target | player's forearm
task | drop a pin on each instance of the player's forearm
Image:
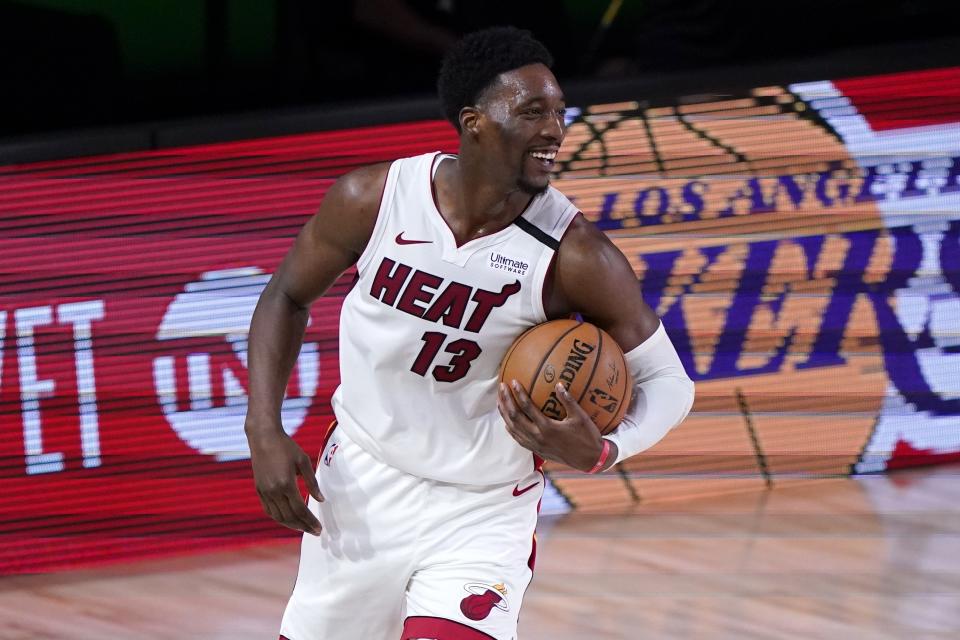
(276, 335)
(659, 405)
(662, 396)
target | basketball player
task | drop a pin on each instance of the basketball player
(428, 484)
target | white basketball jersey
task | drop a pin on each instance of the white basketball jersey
(424, 330)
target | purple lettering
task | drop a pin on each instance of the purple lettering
(750, 194)
(866, 188)
(953, 178)
(663, 205)
(851, 284)
(692, 197)
(606, 220)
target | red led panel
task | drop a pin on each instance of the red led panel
(126, 286)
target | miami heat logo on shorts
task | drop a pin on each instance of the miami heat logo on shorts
(482, 600)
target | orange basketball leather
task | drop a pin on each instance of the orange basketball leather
(580, 355)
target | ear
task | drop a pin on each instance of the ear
(470, 118)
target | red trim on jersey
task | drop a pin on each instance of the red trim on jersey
(440, 629)
(433, 193)
(547, 278)
(326, 441)
(537, 463)
(283, 637)
(532, 560)
(323, 447)
(383, 189)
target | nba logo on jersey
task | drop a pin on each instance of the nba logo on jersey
(328, 458)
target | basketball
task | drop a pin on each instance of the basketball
(581, 356)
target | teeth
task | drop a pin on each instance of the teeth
(544, 155)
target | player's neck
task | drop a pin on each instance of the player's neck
(472, 203)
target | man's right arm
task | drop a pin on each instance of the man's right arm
(327, 246)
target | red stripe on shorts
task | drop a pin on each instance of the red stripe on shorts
(326, 440)
(440, 629)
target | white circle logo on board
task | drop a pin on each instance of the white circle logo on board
(200, 374)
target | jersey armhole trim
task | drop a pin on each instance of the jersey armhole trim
(547, 266)
(386, 200)
(537, 233)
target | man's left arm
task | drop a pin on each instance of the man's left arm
(594, 278)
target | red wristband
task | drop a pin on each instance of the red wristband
(604, 454)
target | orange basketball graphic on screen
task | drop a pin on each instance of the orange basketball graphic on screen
(755, 237)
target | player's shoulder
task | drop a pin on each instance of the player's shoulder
(582, 234)
(348, 212)
(584, 246)
(361, 187)
(551, 213)
(364, 186)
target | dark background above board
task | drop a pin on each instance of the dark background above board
(70, 64)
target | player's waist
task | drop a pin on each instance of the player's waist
(480, 452)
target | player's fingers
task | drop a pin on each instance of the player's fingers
(284, 515)
(523, 401)
(309, 477)
(518, 417)
(516, 433)
(504, 404)
(507, 405)
(523, 430)
(522, 439)
(537, 421)
(269, 507)
(574, 410)
(303, 518)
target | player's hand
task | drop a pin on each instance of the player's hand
(277, 460)
(574, 441)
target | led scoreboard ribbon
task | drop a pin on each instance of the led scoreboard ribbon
(801, 242)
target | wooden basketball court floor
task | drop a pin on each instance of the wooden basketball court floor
(874, 557)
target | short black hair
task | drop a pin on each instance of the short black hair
(475, 61)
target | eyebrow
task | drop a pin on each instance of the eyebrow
(563, 99)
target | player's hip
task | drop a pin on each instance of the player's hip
(480, 453)
(375, 487)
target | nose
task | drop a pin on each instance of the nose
(553, 127)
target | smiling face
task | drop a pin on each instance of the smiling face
(520, 126)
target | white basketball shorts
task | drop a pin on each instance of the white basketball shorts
(401, 557)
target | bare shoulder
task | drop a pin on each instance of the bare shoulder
(594, 278)
(363, 185)
(334, 238)
(584, 245)
(349, 209)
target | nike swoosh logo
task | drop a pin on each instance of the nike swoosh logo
(401, 240)
(517, 491)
